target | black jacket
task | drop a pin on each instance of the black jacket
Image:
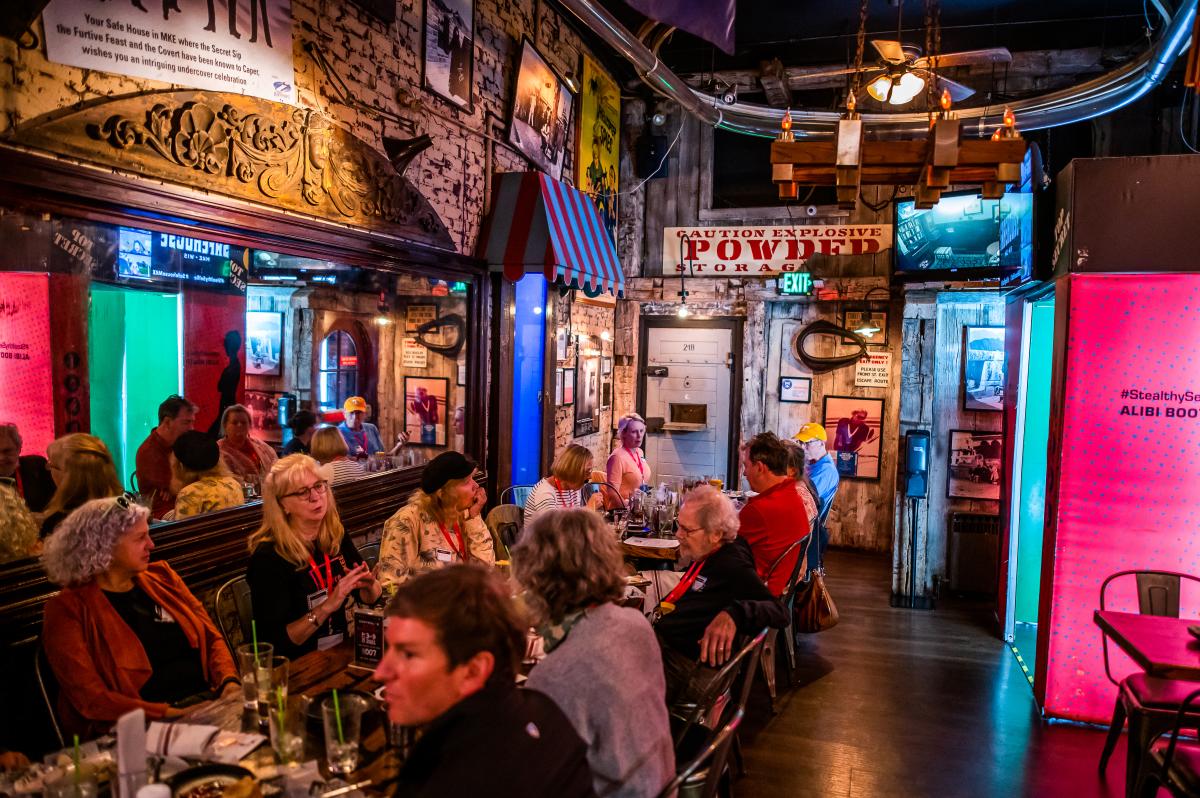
(37, 486)
(730, 584)
(502, 742)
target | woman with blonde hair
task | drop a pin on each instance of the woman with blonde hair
(563, 489)
(247, 458)
(603, 666)
(202, 483)
(329, 448)
(627, 467)
(440, 525)
(303, 566)
(82, 469)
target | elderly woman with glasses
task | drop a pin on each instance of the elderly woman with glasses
(303, 566)
(246, 457)
(124, 633)
(602, 664)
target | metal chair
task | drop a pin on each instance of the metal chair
(714, 700)
(715, 752)
(1149, 705)
(234, 611)
(505, 522)
(515, 494)
(787, 598)
(370, 554)
(48, 689)
(1176, 763)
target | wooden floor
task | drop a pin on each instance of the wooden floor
(913, 703)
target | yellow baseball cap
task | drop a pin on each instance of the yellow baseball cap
(811, 432)
(355, 404)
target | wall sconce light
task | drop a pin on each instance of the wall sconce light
(605, 335)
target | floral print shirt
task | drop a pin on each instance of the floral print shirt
(18, 532)
(207, 495)
(413, 542)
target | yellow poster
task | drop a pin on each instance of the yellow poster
(596, 164)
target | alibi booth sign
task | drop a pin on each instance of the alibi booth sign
(764, 251)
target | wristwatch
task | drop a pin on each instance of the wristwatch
(312, 618)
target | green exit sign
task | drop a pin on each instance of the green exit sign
(795, 284)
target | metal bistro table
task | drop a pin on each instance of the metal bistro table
(1160, 645)
(309, 675)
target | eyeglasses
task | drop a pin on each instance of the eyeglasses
(687, 530)
(314, 490)
(124, 502)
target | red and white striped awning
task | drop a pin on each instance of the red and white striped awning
(540, 224)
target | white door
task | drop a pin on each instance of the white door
(692, 395)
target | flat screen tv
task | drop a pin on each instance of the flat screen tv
(964, 237)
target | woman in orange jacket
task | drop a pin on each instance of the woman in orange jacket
(124, 633)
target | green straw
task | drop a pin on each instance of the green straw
(282, 708)
(254, 635)
(337, 713)
(76, 755)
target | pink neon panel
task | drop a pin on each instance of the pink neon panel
(1129, 495)
(26, 383)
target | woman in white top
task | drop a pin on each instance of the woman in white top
(563, 489)
(627, 466)
(329, 448)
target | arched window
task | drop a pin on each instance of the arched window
(338, 365)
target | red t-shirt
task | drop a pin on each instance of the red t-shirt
(154, 473)
(770, 522)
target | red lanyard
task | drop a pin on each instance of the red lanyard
(564, 497)
(637, 458)
(20, 485)
(684, 584)
(325, 584)
(461, 548)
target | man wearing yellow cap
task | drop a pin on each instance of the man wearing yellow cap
(362, 437)
(823, 474)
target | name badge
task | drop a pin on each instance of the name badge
(441, 555)
(698, 585)
(317, 598)
(162, 616)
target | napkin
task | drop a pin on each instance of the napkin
(231, 747)
(131, 753)
(178, 739)
(653, 543)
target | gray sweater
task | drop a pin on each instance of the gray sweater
(607, 677)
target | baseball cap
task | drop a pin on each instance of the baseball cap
(196, 451)
(811, 432)
(443, 468)
(355, 404)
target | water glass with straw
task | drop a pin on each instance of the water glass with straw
(75, 785)
(252, 658)
(342, 717)
(287, 728)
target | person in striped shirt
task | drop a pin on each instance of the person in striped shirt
(564, 487)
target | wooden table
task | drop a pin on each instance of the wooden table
(1160, 646)
(309, 675)
(650, 552)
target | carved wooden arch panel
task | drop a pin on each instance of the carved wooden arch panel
(292, 158)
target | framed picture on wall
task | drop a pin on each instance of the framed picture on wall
(983, 368)
(855, 427)
(870, 324)
(264, 414)
(449, 57)
(587, 394)
(541, 112)
(425, 410)
(974, 469)
(568, 391)
(558, 386)
(264, 343)
(560, 344)
(795, 389)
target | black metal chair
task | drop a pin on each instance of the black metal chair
(788, 599)
(1148, 705)
(714, 753)
(234, 611)
(714, 700)
(48, 689)
(1174, 763)
(370, 554)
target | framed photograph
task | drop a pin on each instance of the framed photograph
(558, 386)
(462, 373)
(568, 393)
(974, 471)
(606, 393)
(541, 112)
(983, 368)
(448, 62)
(597, 135)
(587, 394)
(855, 425)
(425, 410)
(605, 366)
(264, 414)
(795, 389)
(560, 343)
(416, 315)
(264, 342)
(872, 323)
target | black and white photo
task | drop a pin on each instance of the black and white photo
(975, 465)
(541, 113)
(450, 49)
(983, 368)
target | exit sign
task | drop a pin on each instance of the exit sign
(796, 284)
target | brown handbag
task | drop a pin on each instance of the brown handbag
(814, 610)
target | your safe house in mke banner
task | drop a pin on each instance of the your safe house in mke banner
(240, 46)
(764, 251)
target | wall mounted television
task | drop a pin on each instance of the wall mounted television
(964, 237)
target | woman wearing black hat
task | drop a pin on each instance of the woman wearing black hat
(440, 525)
(204, 483)
(303, 425)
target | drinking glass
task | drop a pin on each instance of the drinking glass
(666, 517)
(341, 743)
(270, 676)
(68, 787)
(288, 729)
(248, 666)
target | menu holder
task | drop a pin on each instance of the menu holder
(368, 637)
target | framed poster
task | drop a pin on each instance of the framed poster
(264, 342)
(597, 134)
(587, 394)
(560, 343)
(541, 112)
(558, 386)
(974, 471)
(605, 366)
(416, 315)
(862, 322)
(983, 368)
(424, 410)
(264, 414)
(795, 389)
(448, 61)
(568, 397)
(462, 372)
(856, 424)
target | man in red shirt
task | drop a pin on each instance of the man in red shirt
(775, 518)
(176, 416)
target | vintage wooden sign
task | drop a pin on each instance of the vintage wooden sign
(764, 251)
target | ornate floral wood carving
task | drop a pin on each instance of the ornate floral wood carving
(244, 147)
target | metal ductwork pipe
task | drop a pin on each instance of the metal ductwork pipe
(1096, 97)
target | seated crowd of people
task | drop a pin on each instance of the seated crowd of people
(593, 717)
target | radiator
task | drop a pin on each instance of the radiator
(974, 547)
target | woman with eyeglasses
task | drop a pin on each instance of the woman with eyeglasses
(124, 633)
(303, 567)
(82, 469)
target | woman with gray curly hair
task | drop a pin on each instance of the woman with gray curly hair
(602, 665)
(124, 633)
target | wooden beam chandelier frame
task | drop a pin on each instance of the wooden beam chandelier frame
(931, 165)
